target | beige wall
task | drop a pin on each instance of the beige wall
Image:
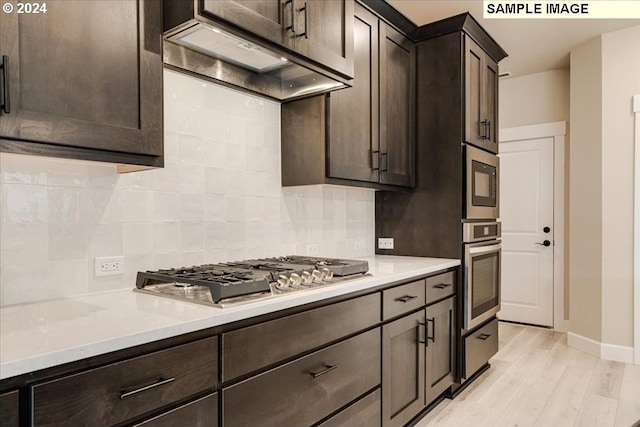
(620, 81)
(534, 98)
(585, 196)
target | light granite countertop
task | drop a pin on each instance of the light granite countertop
(45, 334)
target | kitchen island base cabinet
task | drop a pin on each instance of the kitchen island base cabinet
(303, 392)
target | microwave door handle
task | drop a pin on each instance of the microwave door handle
(484, 249)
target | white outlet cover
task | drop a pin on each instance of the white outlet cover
(109, 266)
(385, 243)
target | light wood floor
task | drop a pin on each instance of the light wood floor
(536, 380)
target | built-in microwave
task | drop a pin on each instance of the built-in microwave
(482, 192)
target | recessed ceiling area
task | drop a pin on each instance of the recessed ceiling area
(533, 45)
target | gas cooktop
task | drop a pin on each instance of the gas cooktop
(229, 283)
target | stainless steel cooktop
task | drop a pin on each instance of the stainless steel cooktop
(231, 283)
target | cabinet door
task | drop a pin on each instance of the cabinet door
(324, 32)
(269, 19)
(9, 409)
(353, 143)
(403, 361)
(440, 358)
(397, 99)
(85, 74)
(490, 102)
(475, 129)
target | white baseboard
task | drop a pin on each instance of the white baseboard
(617, 353)
(585, 344)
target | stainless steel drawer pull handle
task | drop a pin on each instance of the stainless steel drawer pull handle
(407, 298)
(161, 381)
(484, 337)
(443, 285)
(327, 368)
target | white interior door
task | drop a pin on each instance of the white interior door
(526, 212)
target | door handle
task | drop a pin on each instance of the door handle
(546, 230)
(293, 15)
(433, 329)
(306, 20)
(545, 243)
(6, 105)
(375, 160)
(384, 156)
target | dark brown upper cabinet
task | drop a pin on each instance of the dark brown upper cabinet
(320, 30)
(481, 97)
(362, 135)
(84, 81)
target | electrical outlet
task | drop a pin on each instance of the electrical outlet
(109, 266)
(312, 249)
(385, 243)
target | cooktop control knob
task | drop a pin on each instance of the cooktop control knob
(294, 280)
(307, 278)
(317, 276)
(283, 282)
(327, 274)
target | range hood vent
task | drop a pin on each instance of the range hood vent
(200, 46)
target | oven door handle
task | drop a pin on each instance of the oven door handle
(484, 249)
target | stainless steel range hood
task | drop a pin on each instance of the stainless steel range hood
(198, 45)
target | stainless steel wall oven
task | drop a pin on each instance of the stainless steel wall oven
(482, 259)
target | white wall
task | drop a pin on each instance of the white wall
(534, 99)
(217, 199)
(620, 82)
(603, 81)
(585, 195)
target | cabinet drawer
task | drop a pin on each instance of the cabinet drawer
(402, 299)
(9, 409)
(364, 413)
(302, 392)
(440, 286)
(480, 346)
(265, 344)
(199, 413)
(119, 391)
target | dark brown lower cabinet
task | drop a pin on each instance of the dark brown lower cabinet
(364, 413)
(306, 390)
(403, 358)
(418, 361)
(199, 413)
(9, 409)
(440, 349)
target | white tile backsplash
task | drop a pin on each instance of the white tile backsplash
(217, 199)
